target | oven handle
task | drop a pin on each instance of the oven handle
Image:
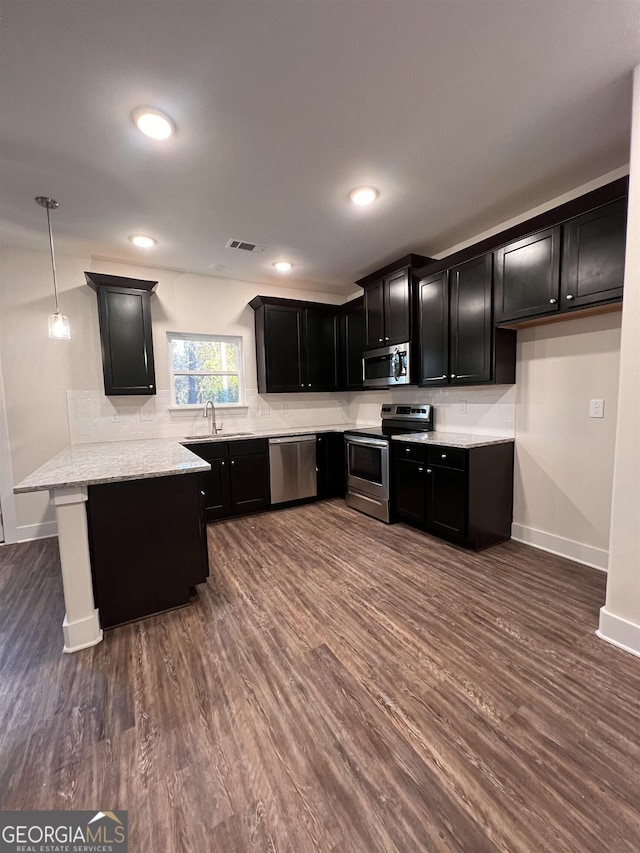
(367, 442)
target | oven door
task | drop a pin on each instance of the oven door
(368, 465)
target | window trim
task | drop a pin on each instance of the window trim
(237, 340)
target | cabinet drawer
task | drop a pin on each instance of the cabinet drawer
(248, 446)
(414, 452)
(210, 450)
(447, 457)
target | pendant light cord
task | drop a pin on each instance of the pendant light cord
(53, 261)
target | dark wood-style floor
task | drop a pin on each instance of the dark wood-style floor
(339, 685)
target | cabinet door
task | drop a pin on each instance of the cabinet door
(593, 256)
(352, 344)
(249, 477)
(374, 305)
(215, 484)
(321, 334)
(446, 502)
(127, 346)
(283, 348)
(527, 276)
(471, 326)
(330, 462)
(397, 308)
(409, 491)
(433, 318)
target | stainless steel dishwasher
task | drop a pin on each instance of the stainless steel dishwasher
(292, 463)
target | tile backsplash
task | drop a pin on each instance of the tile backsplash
(94, 417)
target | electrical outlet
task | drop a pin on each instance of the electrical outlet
(462, 408)
(115, 418)
(263, 410)
(596, 408)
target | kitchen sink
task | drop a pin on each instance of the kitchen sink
(219, 435)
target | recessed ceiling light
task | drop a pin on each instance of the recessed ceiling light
(283, 266)
(153, 123)
(142, 242)
(363, 195)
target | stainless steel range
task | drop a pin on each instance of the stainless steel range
(367, 452)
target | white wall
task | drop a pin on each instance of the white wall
(564, 459)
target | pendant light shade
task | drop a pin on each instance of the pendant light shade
(59, 327)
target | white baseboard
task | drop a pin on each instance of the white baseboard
(619, 632)
(44, 530)
(596, 558)
(81, 634)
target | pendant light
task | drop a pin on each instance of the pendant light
(58, 324)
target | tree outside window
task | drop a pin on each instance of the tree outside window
(205, 367)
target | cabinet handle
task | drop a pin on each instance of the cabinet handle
(420, 470)
(453, 376)
(233, 462)
(569, 296)
(552, 301)
(379, 340)
(309, 385)
(222, 463)
(150, 386)
(386, 339)
(302, 385)
(428, 470)
(201, 492)
(407, 450)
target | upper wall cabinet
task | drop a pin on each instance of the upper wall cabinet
(458, 344)
(124, 316)
(578, 264)
(527, 276)
(387, 302)
(296, 345)
(593, 256)
(352, 344)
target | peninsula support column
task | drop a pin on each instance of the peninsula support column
(81, 626)
(620, 617)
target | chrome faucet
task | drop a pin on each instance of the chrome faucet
(209, 405)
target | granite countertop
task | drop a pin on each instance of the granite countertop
(116, 461)
(270, 433)
(112, 462)
(453, 439)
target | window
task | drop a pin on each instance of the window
(205, 367)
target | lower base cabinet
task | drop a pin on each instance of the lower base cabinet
(463, 495)
(330, 461)
(239, 478)
(148, 545)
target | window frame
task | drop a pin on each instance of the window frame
(236, 340)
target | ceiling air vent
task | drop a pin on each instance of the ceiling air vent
(245, 246)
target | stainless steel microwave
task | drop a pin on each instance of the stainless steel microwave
(386, 367)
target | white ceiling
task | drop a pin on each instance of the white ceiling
(462, 114)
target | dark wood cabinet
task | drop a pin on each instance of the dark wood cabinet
(409, 486)
(239, 478)
(463, 495)
(296, 345)
(148, 545)
(471, 323)
(457, 342)
(579, 264)
(593, 256)
(124, 316)
(249, 475)
(388, 302)
(527, 276)
(352, 344)
(374, 304)
(330, 462)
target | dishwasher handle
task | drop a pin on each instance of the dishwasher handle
(292, 439)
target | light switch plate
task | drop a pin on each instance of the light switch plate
(596, 408)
